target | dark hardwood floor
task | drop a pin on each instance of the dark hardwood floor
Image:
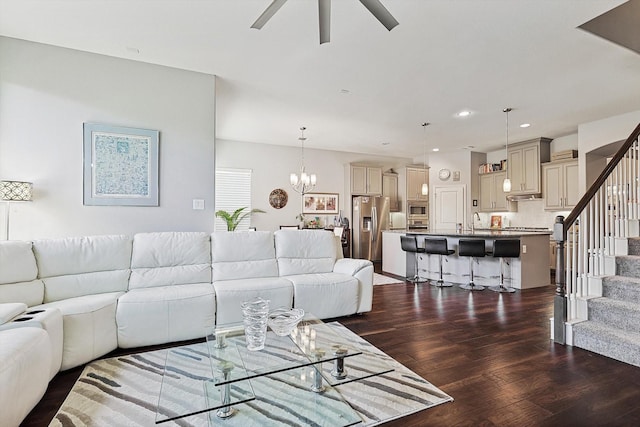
(490, 351)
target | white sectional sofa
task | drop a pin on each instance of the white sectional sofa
(76, 299)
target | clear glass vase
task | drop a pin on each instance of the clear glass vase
(255, 314)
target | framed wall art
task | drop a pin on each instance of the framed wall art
(320, 203)
(120, 166)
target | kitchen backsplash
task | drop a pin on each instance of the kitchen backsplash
(530, 213)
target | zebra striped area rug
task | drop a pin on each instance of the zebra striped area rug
(123, 391)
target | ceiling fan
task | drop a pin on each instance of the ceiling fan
(324, 11)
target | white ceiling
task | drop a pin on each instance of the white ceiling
(445, 56)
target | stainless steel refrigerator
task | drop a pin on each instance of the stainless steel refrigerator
(370, 218)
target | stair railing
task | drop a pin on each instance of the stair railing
(606, 214)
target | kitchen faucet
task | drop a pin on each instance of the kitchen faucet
(473, 221)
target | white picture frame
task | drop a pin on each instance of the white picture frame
(120, 166)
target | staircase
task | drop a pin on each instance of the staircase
(613, 325)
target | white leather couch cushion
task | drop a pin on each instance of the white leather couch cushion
(89, 327)
(75, 255)
(29, 293)
(326, 295)
(305, 251)
(18, 274)
(99, 282)
(17, 263)
(79, 266)
(165, 314)
(242, 255)
(10, 310)
(25, 359)
(230, 294)
(171, 258)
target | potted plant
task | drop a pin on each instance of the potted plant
(300, 219)
(233, 219)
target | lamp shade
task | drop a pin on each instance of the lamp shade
(13, 191)
(506, 185)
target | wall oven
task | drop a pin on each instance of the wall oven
(417, 215)
(419, 209)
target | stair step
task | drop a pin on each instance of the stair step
(628, 265)
(619, 314)
(607, 341)
(621, 288)
(633, 245)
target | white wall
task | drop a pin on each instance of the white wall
(599, 133)
(272, 164)
(46, 93)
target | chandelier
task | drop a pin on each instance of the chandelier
(506, 184)
(304, 182)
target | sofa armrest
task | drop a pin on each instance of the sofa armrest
(350, 266)
(362, 270)
(10, 310)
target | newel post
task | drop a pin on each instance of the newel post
(560, 299)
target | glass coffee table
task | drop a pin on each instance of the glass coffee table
(294, 380)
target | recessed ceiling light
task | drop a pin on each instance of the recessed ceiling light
(435, 149)
(464, 113)
(525, 125)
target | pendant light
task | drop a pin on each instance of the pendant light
(425, 185)
(304, 182)
(506, 184)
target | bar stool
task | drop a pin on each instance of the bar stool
(438, 246)
(410, 244)
(472, 248)
(505, 248)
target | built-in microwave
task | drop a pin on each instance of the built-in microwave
(417, 209)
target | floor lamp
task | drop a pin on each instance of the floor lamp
(14, 191)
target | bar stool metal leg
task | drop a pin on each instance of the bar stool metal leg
(440, 282)
(501, 287)
(471, 286)
(416, 277)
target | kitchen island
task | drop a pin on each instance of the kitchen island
(530, 270)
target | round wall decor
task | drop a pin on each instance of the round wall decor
(444, 174)
(278, 198)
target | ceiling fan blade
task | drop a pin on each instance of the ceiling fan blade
(381, 13)
(268, 13)
(324, 15)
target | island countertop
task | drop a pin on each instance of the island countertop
(483, 232)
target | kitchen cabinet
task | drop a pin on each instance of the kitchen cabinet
(492, 198)
(523, 165)
(366, 180)
(415, 178)
(560, 185)
(390, 190)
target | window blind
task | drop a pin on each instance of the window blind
(233, 191)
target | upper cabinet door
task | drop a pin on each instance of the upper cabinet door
(415, 178)
(523, 165)
(366, 180)
(358, 180)
(571, 191)
(390, 190)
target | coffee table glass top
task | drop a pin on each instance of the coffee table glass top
(198, 378)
